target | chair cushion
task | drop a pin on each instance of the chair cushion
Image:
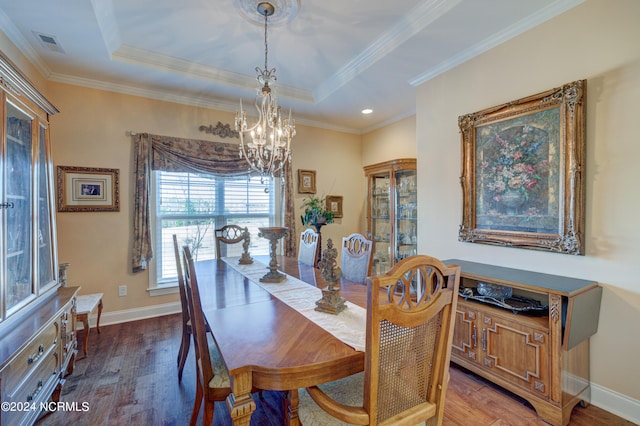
(348, 391)
(220, 373)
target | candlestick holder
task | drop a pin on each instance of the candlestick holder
(273, 234)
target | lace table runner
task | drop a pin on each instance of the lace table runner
(349, 326)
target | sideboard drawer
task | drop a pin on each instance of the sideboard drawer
(36, 388)
(30, 357)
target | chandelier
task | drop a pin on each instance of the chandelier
(266, 145)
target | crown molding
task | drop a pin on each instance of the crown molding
(489, 43)
(415, 21)
(163, 95)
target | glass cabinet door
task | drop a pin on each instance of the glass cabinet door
(18, 239)
(406, 214)
(380, 221)
(392, 222)
(46, 253)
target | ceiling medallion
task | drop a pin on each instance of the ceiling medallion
(284, 11)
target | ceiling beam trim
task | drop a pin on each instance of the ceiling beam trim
(415, 21)
(108, 24)
(174, 65)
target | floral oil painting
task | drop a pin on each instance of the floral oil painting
(523, 168)
(517, 183)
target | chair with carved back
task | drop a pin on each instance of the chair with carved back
(212, 376)
(355, 259)
(308, 250)
(228, 234)
(410, 321)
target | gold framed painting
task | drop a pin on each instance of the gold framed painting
(86, 189)
(334, 204)
(306, 181)
(523, 172)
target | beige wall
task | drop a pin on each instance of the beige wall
(597, 41)
(335, 157)
(397, 140)
(91, 131)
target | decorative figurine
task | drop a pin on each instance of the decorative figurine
(62, 273)
(246, 258)
(331, 301)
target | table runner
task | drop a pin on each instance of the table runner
(349, 326)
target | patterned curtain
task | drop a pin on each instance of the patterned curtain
(153, 152)
(291, 240)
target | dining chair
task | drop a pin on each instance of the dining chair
(308, 250)
(186, 323)
(212, 377)
(228, 234)
(185, 341)
(410, 320)
(355, 259)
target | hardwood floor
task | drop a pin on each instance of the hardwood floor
(130, 378)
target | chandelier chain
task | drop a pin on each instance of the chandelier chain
(266, 46)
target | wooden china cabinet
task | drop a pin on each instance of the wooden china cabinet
(37, 316)
(392, 219)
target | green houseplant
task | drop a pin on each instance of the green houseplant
(315, 212)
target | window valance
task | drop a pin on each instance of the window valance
(155, 152)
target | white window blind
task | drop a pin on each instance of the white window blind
(193, 206)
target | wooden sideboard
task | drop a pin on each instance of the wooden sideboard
(35, 356)
(539, 354)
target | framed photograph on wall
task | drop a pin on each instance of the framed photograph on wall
(85, 189)
(306, 181)
(334, 204)
(523, 172)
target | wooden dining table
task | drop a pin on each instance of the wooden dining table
(265, 343)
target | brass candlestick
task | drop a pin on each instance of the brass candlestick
(273, 234)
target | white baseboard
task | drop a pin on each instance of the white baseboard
(607, 399)
(616, 403)
(126, 315)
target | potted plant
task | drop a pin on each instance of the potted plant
(315, 212)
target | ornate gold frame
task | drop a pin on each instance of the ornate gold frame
(306, 181)
(72, 182)
(565, 197)
(336, 200)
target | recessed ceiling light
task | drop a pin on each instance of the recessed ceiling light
(367, 111)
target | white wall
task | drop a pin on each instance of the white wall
(598, 41)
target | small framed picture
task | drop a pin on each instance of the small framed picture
(306, 181)
(85, 189)
(334, 204)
